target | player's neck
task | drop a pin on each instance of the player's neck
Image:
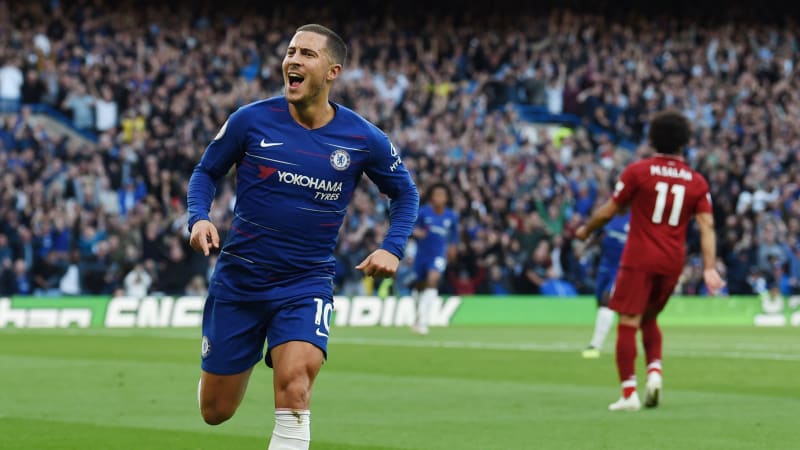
(438, 209)
(312, 115)
(666, 155)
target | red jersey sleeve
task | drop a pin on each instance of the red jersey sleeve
(626, 186)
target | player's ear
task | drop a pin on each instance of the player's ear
(333, 72)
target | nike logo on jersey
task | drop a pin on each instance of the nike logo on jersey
(320, 333)
(265, 144)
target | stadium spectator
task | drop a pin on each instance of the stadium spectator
(46, 274)
(11, 81)
(538, 270)
(79, 102)
(19, 280)
(137, 282)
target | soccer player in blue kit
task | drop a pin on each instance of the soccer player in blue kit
(615, 234)
(298, 159)
(436, 230)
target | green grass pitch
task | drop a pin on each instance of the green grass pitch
(384, 388)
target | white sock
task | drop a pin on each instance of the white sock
(199, 385)
(425, 304)
(292, 430)
(654, 366)
(415, 296)
(605, 318)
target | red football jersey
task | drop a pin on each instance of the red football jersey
(663, 193)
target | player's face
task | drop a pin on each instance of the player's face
(307, 69)
(439, 198)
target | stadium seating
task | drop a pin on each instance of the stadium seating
(145, 89)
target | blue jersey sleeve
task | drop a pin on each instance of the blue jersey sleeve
(387, 171)
(421, 214)
(225, 150)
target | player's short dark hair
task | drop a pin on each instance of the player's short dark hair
(337, 49)
(670, 131)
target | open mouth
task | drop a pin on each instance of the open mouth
(295, 80)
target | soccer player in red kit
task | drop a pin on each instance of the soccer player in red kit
(663, 194)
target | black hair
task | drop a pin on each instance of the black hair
(670, 131)
(438, 185)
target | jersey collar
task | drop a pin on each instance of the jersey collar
(665, 156)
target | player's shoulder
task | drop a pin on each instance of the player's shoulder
(353, 118)
(634, 169)
(697, 178)
(452, 213)
(643, 164)
(273, 104)
(246, 114)
(358, 124)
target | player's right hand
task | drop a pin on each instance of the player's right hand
(204, 237)
(713, 281)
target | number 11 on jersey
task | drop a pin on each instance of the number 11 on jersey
(678, 191)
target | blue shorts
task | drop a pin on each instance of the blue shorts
(424, 265)
(234, 331)
(606, 277)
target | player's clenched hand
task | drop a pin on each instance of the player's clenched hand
(582, 232)
(379, 264)
(713, 281)
(204, 237)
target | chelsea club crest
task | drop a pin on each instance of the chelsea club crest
(205, 349)
(340, 159)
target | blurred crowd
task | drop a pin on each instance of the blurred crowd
(155, 83)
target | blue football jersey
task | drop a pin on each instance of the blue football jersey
(293, 187)
(615, 236)
(442, 230)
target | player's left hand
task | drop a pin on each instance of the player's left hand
(379, 264)
(582, 233)
(713, 281)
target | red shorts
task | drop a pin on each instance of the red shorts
(641, 293)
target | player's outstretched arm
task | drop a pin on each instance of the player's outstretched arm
(708, 245)
(598, 219)
(205, 237)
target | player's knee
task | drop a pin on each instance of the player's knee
(295, 392)
(215, 413)
(630, 320)
(294, 387)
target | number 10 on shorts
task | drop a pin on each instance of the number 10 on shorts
(323, 316)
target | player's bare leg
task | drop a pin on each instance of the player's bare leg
(296, 365)
(652, 340)
(427, 297)
(220, 395)
(626, 360)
